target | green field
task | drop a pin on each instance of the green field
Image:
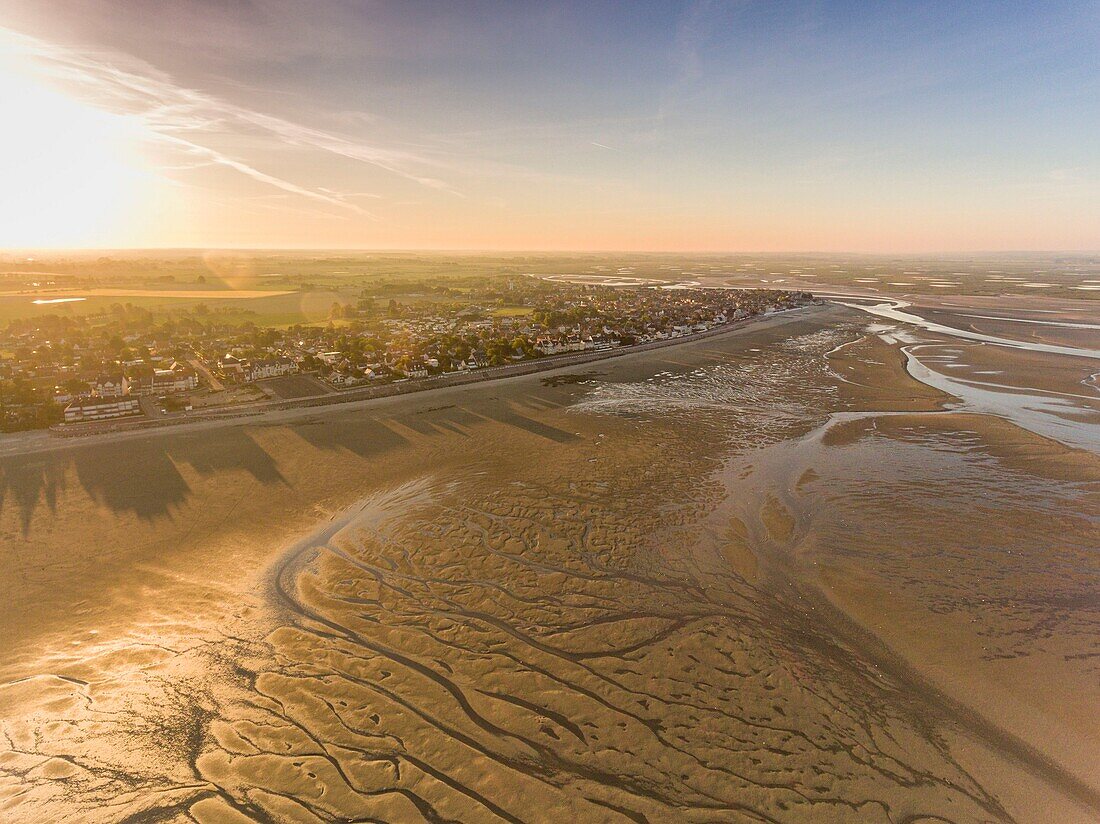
(316, 280)
(512, 311)
(267, 311)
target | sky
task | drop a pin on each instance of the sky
(643, 126)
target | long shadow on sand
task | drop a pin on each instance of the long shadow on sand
(142, 477)
(139, 477)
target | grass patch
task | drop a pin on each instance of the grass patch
(512, 311)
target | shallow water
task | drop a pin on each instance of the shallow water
(894, 310)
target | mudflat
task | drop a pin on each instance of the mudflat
(766, 576)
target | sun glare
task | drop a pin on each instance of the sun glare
(71, 173)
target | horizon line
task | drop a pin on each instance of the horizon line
(15, 250)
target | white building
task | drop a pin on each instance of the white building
(109, 386)
(163, 382)
(270, 368)
(100, 409)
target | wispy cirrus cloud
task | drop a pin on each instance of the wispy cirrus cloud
(202, 126)
(217, 158)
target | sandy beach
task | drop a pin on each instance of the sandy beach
(765, 576)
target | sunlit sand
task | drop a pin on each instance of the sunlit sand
(655, 589)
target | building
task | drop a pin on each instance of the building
(101, 409)
(109, 386)
(163, 381)
(601, 344)
(270, 368)
(231, 366)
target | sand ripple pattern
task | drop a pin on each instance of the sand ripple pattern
(561, 645)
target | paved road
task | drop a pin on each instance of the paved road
(200, 367)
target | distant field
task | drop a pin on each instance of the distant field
(285, 288)
(179, 294)
(274, 308)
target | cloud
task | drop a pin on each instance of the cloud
(222, 160)
(201, 124)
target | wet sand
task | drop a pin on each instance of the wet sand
(762, 577)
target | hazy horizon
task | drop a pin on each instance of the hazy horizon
(367, 250)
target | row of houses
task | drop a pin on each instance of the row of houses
(571, 339)
(175, 378)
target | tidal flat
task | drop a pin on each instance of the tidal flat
(766, 576)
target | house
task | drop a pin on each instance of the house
(551, 346)
(544, 345)
(100, 409)
(602, 344)
(162, 381)
(231, 365)
(109, 386)
(345, 377)
(269, 368)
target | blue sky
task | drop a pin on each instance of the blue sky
(699, 125)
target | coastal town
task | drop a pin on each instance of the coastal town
(132, 362)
